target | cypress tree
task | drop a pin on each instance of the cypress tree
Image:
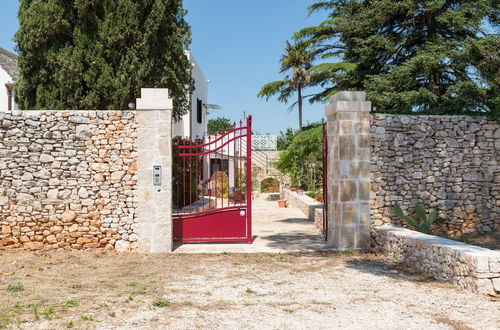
(432, 57)
(78, 54)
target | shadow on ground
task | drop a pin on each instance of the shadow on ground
(297, 239)
(387, 268)
(296, 220)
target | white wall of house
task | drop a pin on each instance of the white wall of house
(4, 96)
(200, 93)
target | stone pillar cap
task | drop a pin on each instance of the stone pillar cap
(154, 99)
(348, 96)
(347, 102)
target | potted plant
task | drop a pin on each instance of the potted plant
(239, 197)
(282, 203)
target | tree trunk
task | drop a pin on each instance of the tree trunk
(299, 96)
(434, 75)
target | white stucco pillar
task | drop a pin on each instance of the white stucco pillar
(154, 212)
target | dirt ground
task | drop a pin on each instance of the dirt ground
(105, 290)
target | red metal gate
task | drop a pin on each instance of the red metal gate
(212, 187)
(325, 183)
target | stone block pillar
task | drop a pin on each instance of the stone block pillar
(348, 131)
(154, 146)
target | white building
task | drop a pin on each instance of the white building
(194, 123)
(8, 75)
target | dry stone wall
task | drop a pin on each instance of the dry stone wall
(470, 267)
(312, 209)
(449, 163)
(68, 179)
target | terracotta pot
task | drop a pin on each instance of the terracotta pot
(282, 203)
(238, 196)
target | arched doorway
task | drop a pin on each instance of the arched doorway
(270, 185)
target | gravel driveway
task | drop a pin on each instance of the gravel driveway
(230, 291)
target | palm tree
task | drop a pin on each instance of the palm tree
(296, 62)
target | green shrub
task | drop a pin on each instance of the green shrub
(17, 287)
(162, 303)
(303, 159)
(71, 303)
(48, 313)
(422, 222)
(315, 194)
(219, 125)
(464, 239)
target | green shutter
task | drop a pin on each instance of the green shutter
(199, 111)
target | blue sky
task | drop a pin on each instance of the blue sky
(238, 45)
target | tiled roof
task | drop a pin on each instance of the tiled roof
(8, 62)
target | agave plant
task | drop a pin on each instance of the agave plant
(422, 221)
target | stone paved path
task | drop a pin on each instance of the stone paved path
(275, 230)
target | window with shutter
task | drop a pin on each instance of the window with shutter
(199, 111)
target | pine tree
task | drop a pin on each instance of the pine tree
(98, 54)
(412, 55)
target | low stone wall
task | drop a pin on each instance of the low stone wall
(449, 163)
(310, 207)
(467, 266)
(68, 179)
(318, 218)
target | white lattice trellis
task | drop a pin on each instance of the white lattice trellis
(264, 142)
